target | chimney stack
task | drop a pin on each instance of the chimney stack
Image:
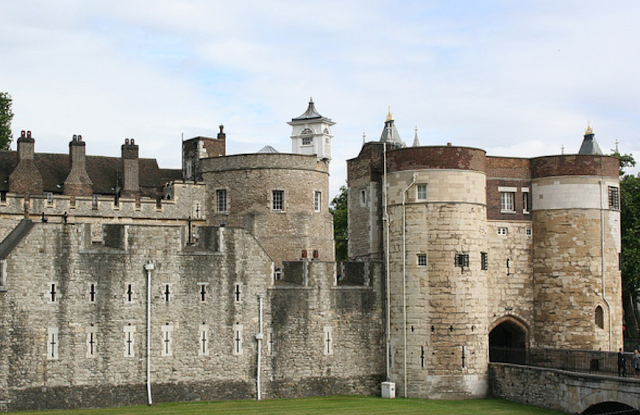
(78, 182)
(130, 169)
(26, 178)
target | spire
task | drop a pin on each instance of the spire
(390, 134)
(416, 141)
(589, 144)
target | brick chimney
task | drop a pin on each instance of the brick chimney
(130, 169)
(78, 182)
(25, 178)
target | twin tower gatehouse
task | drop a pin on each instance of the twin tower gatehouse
(125, 283)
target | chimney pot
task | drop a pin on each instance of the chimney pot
(28, 134)
(75, 137)
(79, 137)
(22, 133)
(132, 141)
(126, 141)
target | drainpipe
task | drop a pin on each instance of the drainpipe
(149, 267)
(603, 265)
(386, 257)
(259, 337)
(404, 277)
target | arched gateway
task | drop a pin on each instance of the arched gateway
(508, 340)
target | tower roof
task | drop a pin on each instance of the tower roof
(390, 134)
(311, 114)
(589, 144)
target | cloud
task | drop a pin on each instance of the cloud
(514, 78)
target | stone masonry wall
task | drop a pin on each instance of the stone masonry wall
(73, 332)
(249, 182)
(446, 304)
(185, 200)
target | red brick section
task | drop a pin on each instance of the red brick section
(26, 178)
(575, 165)
(448, 157)
(368, 164)
(507, 172)
(77, 182)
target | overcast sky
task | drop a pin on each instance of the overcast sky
(516, 78)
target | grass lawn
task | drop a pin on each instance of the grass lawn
(332, 405)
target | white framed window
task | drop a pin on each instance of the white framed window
(525, 200)
(422, 191)
(221, 200)
(508, 202)
(528, 232)
(307, 141)
(422, 260)
(484, 261)
(317, 201)
(502, 231)
(277, 200)
(49, 198)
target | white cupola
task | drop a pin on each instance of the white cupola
(311, 134)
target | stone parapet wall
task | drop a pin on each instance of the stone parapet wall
(575, 164)
(186, 201)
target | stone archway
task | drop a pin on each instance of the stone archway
(609, 407)
(508, 341)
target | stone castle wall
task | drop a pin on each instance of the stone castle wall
(183, 201)
(74, 324)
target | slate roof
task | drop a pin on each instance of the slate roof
(311, 114)
(105, 173)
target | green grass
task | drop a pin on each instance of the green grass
(333, 405)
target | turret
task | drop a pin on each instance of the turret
(311, 133)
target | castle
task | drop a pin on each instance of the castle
(124, 283)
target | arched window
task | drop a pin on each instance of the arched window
(599, 316)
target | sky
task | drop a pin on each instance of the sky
(515, 78)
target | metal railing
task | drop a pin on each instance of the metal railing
(586, 361)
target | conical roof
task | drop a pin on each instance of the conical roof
(589, 144)
(390, 134)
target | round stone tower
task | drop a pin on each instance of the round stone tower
(438, 291)
(576, 246)
(280, 198)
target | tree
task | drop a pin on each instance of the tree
(630, 256)
(6, 115)
(630, 238)
(339, 208)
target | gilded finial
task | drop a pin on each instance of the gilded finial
(589, 130)
(389, 115)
